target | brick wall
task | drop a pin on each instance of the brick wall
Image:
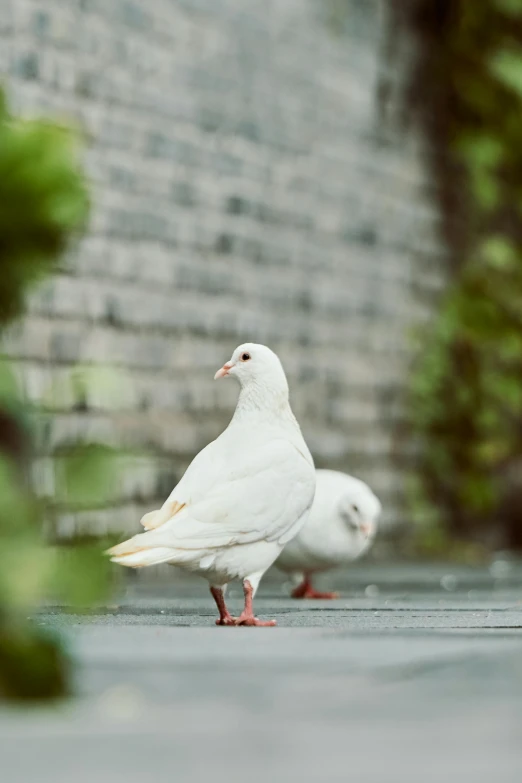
(251, 181)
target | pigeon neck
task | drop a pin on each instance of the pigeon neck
(259, 397)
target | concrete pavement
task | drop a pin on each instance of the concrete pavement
(410, 676)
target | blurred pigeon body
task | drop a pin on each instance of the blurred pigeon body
(242, 498)
(340, 528)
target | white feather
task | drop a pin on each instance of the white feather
(243, 496)
(328, 539)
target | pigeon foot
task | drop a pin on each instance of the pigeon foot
(225, 618)
(253, 622)
(305, 590)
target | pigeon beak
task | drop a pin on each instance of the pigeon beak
(366, 528)
(223, 371)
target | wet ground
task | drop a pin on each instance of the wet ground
(415, 674)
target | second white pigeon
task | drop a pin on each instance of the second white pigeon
(242, 498)
(340, 528)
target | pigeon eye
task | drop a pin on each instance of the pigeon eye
(355, 508)
(245, 357)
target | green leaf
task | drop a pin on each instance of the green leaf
(480, 151)
(17, 508)
(81, 575)
(506, 66)
(26, 569)
(491, 452)
(485, 188)
(509, 7)
(499, 252)
(9, 388)
(33, 664)
(86, 476)
(43, 203)
(477, 494)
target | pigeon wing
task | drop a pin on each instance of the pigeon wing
(261, 498)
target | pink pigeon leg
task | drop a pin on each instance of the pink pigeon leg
(247, 615)
(306, 590)
(225, 618)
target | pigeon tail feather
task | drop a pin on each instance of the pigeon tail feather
(140, 551)
(155, 519)
(145, 557)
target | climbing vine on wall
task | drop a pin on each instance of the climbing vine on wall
(466, 406)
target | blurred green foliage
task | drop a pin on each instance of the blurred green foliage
(43, 200)
(43, 203)
(467, 385)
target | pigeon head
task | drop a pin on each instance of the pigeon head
(257, 366)
(360, 511)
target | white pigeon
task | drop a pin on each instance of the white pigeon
(340, 528)
(242, 498)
